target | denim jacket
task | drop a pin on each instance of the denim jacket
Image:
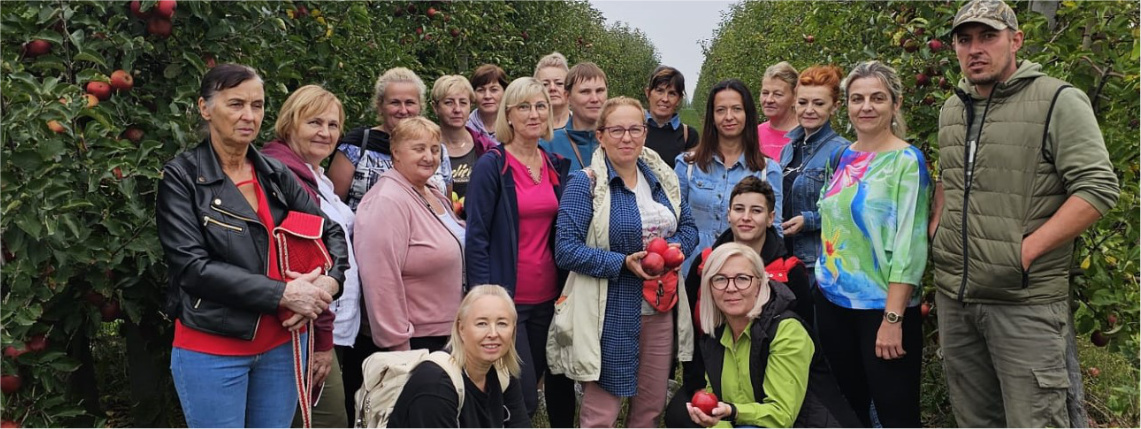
(708, 194)
(805, 192)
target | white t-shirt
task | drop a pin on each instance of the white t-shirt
(347, 324)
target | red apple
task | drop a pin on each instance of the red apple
(37, 343)
(674, 257)
(99, 89)
(9, 424)
(457, 207)
(37, 47)
(653, 264)
(57, 127)
(121, 80)
(704, 401)
(118, 172)
(1099, 339)
(432, 12)
(411, 8)
(1112, 319)
(419, 31)
(9, 384)
(809, 39)
(928, 100)
(658, 245)
(302, 12)
(455, 32)
(924, 309)
(910, 45)
(1094, 372)
(13, 352)
(943, 83)
(935, 45)
(136, 9)
(922, 79)
(165, 8)
(210, 62)
(133, 134)
(110, 310)
(159, 27)
(919, 31)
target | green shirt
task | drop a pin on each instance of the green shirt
(785, 382)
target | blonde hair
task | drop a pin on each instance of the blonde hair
(414, 127)
(553, 59)
(305, 102)
(613, 104)
(448, 84)
(509, 361)
(711, 316)
(517, 92)
(782, 71)
(394, 75)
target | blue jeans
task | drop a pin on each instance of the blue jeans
(236, 391)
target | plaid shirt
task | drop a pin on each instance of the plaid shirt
(623, 322)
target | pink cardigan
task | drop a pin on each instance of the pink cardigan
(411, 266)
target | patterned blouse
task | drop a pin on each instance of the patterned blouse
(873, 213)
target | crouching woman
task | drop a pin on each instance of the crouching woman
(483, 349)
(759, 357)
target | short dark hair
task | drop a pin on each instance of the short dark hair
(488, 73)
(223, 77)
(751, 184)
(583, 72)
(666, 75)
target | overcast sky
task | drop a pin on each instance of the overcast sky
(675, 28)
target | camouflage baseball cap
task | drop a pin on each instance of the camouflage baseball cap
(994, 13)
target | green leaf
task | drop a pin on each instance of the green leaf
(91, 56)
(172, 71)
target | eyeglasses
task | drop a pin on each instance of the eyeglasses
(526, 108)
(740, 281)
(617, 132)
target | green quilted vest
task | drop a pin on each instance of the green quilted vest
(1014, 189)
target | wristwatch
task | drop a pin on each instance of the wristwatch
(892, 317)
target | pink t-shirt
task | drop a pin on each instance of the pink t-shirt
(536, 276)
(772, 140)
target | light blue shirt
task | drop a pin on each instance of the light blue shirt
(708, 195)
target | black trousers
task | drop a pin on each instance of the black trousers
(848, 338)
(531, 344)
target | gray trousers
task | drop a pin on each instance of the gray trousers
(1006, 365)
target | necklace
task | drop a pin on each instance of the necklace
(531, 173)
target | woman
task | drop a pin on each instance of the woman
(760, 359)
(804, 161)
(515, 193)
(410, 246)
(399, 93)
(552, 73)
(708, 172)
(217, 205)
(488, 81)
(307, 128)
(481, 350)
(628, 198)
(778, 93)
(873, 213)
(667, 135)
(451, 99)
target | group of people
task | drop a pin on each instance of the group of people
(513, 233)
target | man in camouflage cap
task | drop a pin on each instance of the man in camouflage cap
(1024, 171)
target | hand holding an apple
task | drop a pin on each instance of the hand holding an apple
(705, 410)
(659, 257)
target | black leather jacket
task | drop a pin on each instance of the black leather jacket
(217, 249)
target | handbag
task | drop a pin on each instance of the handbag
(300, 249)
(661, 293)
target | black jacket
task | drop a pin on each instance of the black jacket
(799, 283)
(824, 405)
(216, 248)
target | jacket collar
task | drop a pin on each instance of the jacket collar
(210, 170)
(772, 249)
(645, 169)
(824, 134)
(282, 152)
(674, 122)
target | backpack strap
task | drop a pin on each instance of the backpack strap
(684, 134)
(444, 360)
(1046, 129)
